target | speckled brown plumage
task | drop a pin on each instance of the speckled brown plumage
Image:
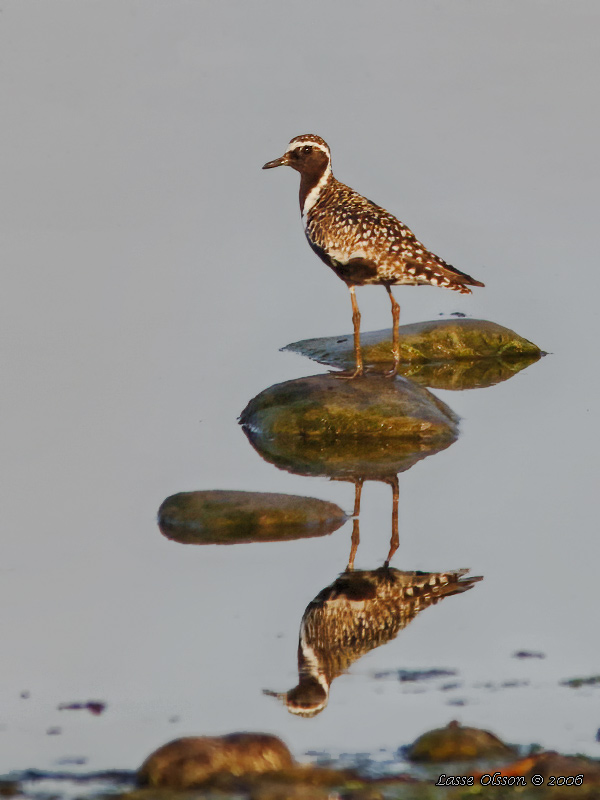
(363, 243)
(359, 611)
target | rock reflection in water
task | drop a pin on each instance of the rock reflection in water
(359, 611)
(370, 428)
(443, 354)
(459, 375)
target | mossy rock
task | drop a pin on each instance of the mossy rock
(232, 517)
(369, 427)
(324, 408)
(193, 760)
(439, 342)
(455, 743)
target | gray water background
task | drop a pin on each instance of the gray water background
(151, 271)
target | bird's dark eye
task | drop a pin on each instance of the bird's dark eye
(307, 149)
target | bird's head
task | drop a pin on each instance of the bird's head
(308, 154)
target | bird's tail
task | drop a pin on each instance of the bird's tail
(460, 281)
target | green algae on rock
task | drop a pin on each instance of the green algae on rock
(455, 743)
(233, 517)
(324, 408)
(191, 761)
(432, 342)
(370, 427)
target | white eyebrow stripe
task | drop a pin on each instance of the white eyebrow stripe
(296, 145)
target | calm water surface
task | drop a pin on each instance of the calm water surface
(152, 274)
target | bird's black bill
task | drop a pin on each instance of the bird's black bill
(279, 162)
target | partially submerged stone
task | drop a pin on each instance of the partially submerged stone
(455, 743)
(233, 517)
(325, 408)
(372, 427)
(199, 767)
(577, 683)
(443, 343)
(193, 760)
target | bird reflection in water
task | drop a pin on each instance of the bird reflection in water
(359, 611)
(395, 538)
(362, 609)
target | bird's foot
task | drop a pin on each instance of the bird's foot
(394, 370)
(348, 374)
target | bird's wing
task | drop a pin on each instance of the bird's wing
(400, 252)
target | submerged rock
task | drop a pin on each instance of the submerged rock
(431, 352)
(577, 683)
(371, 427)
(191, 761)
(95, 707)
(455, 743)
(528, 654)
(230, 517)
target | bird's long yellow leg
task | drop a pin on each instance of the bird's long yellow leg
(395, 539)
(356, 323)
(357, 353)
(355, 525)
(395, 331)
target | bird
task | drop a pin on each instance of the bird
(359, 611)
(362, 242)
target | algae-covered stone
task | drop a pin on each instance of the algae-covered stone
(432, 342)
(324, 408)
(455, 743)
(231, 517)
(325, 426)
(191, 761)
(369, 427)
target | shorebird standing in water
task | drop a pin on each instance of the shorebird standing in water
(362, 242)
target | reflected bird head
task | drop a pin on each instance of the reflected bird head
(307, 699)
